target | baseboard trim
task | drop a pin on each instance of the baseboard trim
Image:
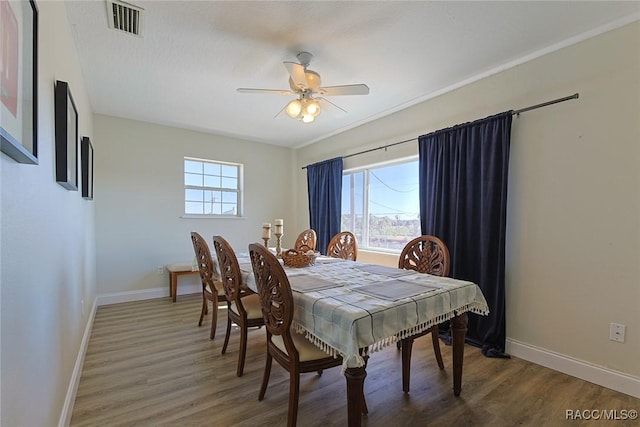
(605, 377)
(70, 398)
(143, 294)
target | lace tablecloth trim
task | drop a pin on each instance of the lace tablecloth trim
(358, 360)
(473, 307)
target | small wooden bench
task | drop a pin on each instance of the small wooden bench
(175, 270)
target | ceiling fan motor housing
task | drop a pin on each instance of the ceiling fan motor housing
(304, 58)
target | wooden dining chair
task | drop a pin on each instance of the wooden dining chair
(424, 254)
(291, 350)
(211, 288)
(343, 245)
(243, 305)
(306, 240)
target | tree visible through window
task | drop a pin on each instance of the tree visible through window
(212, 188)
(380, 205)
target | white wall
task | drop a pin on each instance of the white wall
(573, 221)
(139, 193)
(573, 224)
(48, 251)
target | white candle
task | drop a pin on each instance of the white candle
(266, 230)
(279, 226)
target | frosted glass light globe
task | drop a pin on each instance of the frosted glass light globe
(293, 108)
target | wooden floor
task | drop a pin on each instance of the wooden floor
(149, 364)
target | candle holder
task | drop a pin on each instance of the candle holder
(278, 240)
(266, 233)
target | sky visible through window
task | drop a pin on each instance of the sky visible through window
(393, 191)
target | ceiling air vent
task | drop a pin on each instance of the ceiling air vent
(125, 17)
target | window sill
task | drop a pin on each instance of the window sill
(380, 251)
(375, 257)
(192, 216)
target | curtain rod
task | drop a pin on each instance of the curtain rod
(514, 112)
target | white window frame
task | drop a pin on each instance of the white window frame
(238, 190)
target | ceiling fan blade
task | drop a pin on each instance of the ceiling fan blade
(296, 71)
(360, 89)
(266, 91)
(280, 112)
(328, 106)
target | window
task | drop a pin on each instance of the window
(212, 188)
(380, 205)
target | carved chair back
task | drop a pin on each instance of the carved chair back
(230, 274)
(276, 298)
(305, 241)
(343, 245)
(204, 260)
(425, 254)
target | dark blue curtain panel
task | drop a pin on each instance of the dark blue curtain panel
(463, 201)
(324, 183)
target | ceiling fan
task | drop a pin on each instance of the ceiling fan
(305, 85)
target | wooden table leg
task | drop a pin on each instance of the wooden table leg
(174, 285)
(355, 394)
(406, 345)
(459, 329)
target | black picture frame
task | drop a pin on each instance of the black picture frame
(86, 161)
(19, 81)
(66, 122)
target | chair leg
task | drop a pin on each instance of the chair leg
(226, 337)
(265, 377)
(214, 321)
(294, 391)
(435, 338)
(243, 349)
(407, 344)
(203, 311)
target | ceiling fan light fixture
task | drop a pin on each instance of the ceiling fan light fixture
(294, 108)
(304, 84)
(311, 108)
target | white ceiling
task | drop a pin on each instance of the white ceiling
(192, 56)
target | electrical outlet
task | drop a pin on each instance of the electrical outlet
(160, 269)
(616, 332)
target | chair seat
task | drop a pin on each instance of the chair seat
(306, 349)
(219, 287)
(251, 304)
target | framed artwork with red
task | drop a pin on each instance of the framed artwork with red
(19, 80)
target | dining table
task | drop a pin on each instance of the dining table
(354, 309)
